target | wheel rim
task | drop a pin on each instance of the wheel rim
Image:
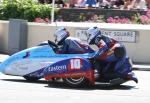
(75, 80)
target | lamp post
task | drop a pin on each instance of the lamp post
(52, 11)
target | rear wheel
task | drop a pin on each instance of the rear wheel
(31, 78)
(76, 82)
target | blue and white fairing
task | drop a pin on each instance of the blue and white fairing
(34, 60)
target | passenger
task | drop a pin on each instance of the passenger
(70, 45)
(109, 51)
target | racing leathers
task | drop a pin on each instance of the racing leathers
(110, 51)
(73, 45)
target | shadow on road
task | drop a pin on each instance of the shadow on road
(61, 85)
(25, 81)
(95, 87)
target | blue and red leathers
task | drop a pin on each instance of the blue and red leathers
(107, 51)
(73, 45)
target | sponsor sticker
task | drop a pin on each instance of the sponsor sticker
(57, 68)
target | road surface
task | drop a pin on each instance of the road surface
(15, 89)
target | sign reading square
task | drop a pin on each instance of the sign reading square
(119, 35)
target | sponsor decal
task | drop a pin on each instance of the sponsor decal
(57, 68)
(27, 55)
(75, 74)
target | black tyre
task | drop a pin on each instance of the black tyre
(28, 78)
(76, 82)
(117, 81)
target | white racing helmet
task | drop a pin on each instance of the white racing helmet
(60, 35)
(92, 33)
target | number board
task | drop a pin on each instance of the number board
(75, 64)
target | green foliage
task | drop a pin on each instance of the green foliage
(24, 9)
(137, 18)
(82, 17)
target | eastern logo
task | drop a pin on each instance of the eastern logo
(57, 68)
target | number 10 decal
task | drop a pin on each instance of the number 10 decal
(75, 64)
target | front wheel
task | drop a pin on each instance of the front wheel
(76, 82)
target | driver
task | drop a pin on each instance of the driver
(70, 45)
(109, 51)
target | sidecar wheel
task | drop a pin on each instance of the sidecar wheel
(28, 78)
(76, 82)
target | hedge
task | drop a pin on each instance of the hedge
(24, 9)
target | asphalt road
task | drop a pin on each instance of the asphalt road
(15, 89)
